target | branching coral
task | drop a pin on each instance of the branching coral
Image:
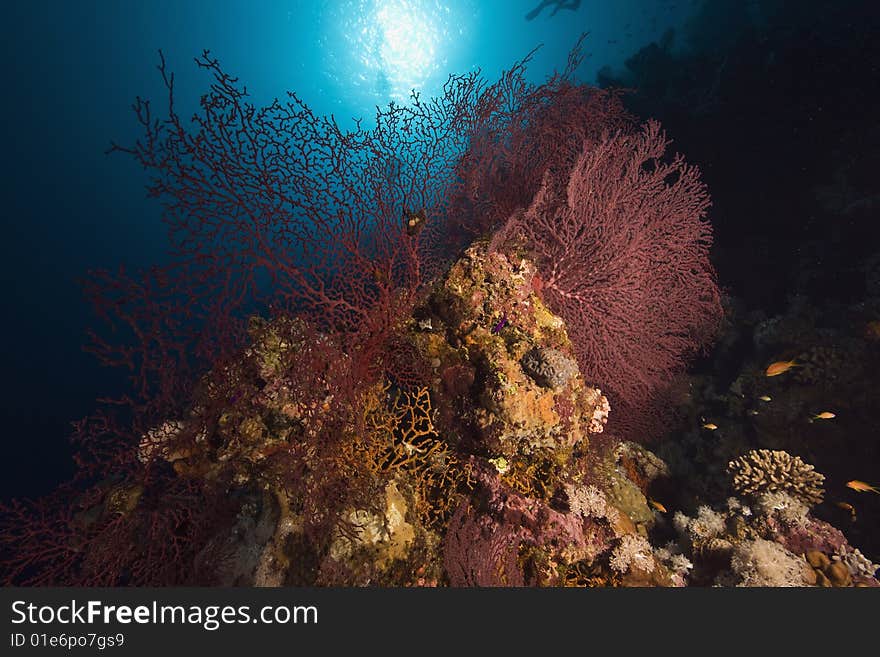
(764, 471)
(400, 437)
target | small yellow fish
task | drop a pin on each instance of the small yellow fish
(824, 415)
(656, 505)
(710, 426)
(861, 486)
(848, 507)
(415, 221)
(765, 398)
(780, 367)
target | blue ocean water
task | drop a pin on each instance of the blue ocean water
(73, 70)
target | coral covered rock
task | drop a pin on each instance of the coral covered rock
(508, 382)
(742, 546)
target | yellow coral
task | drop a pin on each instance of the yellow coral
(531, 478)
(399, 437)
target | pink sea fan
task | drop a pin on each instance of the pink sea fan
(622, 247)
(480, 552)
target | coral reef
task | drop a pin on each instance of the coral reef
(447, 395)
(775, 542)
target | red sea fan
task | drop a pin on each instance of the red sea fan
(480, 552)
(523, 132)
(278, 206)
(94, 538)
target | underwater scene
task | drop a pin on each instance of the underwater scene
(442, 293)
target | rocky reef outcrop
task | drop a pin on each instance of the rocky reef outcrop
(495, 469)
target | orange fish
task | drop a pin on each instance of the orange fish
(655, 504)
(861, 486)
(710, 426)
(824, 415)
(780, 367)
(848, 507)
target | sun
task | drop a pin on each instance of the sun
(392, 47)
(408, 43)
